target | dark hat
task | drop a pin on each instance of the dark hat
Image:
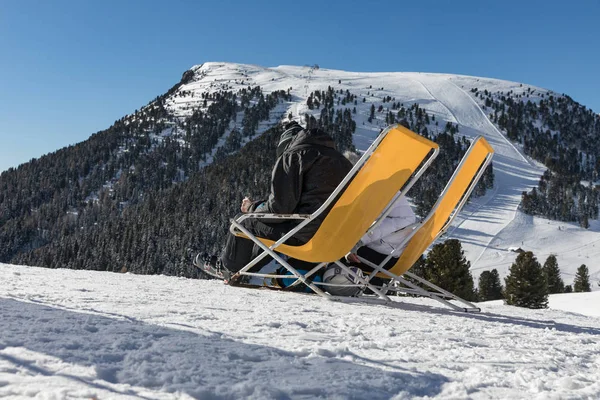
(291, 130)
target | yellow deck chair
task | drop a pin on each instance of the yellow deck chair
(449, 204)
(389, 168)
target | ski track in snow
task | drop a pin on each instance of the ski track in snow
(491, 124)
(455, 120)
(480, 223)
(85, 334)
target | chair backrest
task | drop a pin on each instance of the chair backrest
(448, 205)
(391, 164)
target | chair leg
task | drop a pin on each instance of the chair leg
(272, 253)
(420, 291)
(470, 306)
(308, 274)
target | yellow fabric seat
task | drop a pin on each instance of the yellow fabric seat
(387, 170)
(375, 185)
(449, 204)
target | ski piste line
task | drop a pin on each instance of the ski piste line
(494, 194)
(476, 206)
(562, 252)
(436, 99)
(491, 124)
(505, 139)
(580, 247)
(495, 236)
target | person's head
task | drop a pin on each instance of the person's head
(405, 123)
(291, 129)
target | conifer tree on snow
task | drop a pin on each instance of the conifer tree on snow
(582, 280)
(526, 284)
(447, 267)
(418, 267)
(568, 289)
(555, 282)
(490, 287)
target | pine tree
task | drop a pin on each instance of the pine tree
(419, 267)
(490, 287)
(555, 282)
(568, 289)
(582, 280)
(447, 267)
(526, 284)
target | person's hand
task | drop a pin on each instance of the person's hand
(352, 258)
(246, 203)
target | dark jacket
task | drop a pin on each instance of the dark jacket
(304, 177)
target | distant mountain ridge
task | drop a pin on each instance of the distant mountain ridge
(218, 108)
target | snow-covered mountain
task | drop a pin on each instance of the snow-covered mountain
(490, 226)
(68, 334)
(88, 334)
(67, 209)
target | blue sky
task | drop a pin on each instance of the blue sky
(71, 68)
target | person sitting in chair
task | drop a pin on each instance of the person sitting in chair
(307, 171)
(374, 246)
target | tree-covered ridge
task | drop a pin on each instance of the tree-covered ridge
(564, 136)
(162, 233)
(339, 123)
(164, 181)
(51, 197)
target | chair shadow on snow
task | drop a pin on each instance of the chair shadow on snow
(483, 316)
(166, 359)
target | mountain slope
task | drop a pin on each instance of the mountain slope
(88, 334)
(156, 154)
(449, 98)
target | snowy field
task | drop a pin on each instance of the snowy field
(95, 335)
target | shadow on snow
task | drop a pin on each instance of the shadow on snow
(483, 316)
(166, 359)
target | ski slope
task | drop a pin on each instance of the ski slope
(68, 334)
(490, 225)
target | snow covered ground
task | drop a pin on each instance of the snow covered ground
(97, 335)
